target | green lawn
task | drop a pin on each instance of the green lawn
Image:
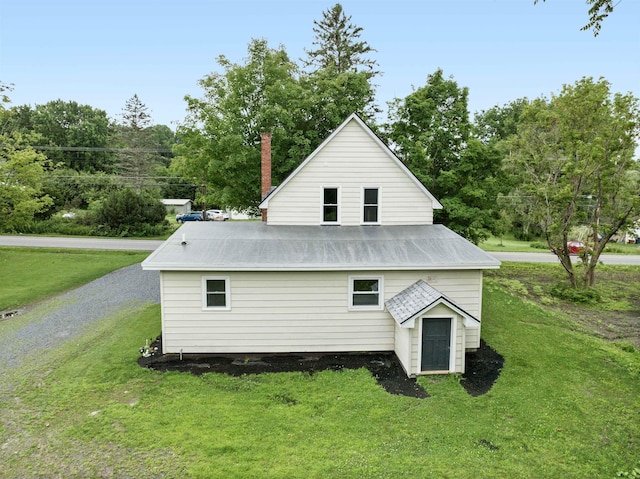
(565, 406)
(30, 274)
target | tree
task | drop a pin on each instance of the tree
(220, 139)
(598, 12)
(126, 212)
(430, 131)
(138, 158)
(340, 74)
(338, 46)
(573, 155)
(74, 135)
(498, 123)
(475, 180)
(22, 171)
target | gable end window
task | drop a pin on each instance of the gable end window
(366, 292)
(370, 206)
(216, 292)
(330, 207)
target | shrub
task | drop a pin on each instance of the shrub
(539, 245)
(569, 293)
(126, 213)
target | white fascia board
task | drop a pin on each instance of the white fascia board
(212, 267)
(468, 320)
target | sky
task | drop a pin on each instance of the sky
(100, 53)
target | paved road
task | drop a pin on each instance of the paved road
(632, 260)
(151, 245)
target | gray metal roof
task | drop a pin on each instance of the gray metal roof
(418, 298)
(255, 246)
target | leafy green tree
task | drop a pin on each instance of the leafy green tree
(599, 10)
(430, 131)
(430, 128)
(220, 139)
(498, 123)
(476, 179)
(71, 189)
(493, 127)
(22, 171)
(73, 135)
(163, 139)
(573, 155)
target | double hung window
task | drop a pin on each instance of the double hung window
(330, 205)
(365, 292)
(216, 292)
(370, 206)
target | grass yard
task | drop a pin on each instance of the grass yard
(567, 404)
(30, 274)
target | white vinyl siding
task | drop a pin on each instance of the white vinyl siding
(343, 162)
(293, 311)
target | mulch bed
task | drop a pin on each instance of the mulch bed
(483, 367)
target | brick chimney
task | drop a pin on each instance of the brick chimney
(265, 146)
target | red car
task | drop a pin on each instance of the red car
(576, 247)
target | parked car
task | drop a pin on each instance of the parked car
(577, 247)
(217, 215)
(190, 216)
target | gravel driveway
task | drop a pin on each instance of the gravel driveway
(58, 319)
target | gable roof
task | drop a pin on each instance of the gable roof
(354, 117)
(419, 298)
(256, 246)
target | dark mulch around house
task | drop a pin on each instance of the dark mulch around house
(482, 369)
(384, 367)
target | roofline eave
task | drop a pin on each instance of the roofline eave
(349, 267)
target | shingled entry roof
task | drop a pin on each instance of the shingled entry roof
(418, 299)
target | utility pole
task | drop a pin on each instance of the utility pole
(204, 201)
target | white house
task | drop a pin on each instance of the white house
(347, 259)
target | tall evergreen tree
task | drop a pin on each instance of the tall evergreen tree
(338, 48)
(138, 158)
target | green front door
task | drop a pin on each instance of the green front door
(436, 344)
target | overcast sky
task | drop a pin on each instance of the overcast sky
(101, 53)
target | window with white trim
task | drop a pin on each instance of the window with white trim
(216, 292)
(370, 205)
(365, 292)
(330, 204)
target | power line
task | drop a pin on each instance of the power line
(90, 148)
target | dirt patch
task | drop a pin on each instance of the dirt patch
(615, 317)
(483, 367)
